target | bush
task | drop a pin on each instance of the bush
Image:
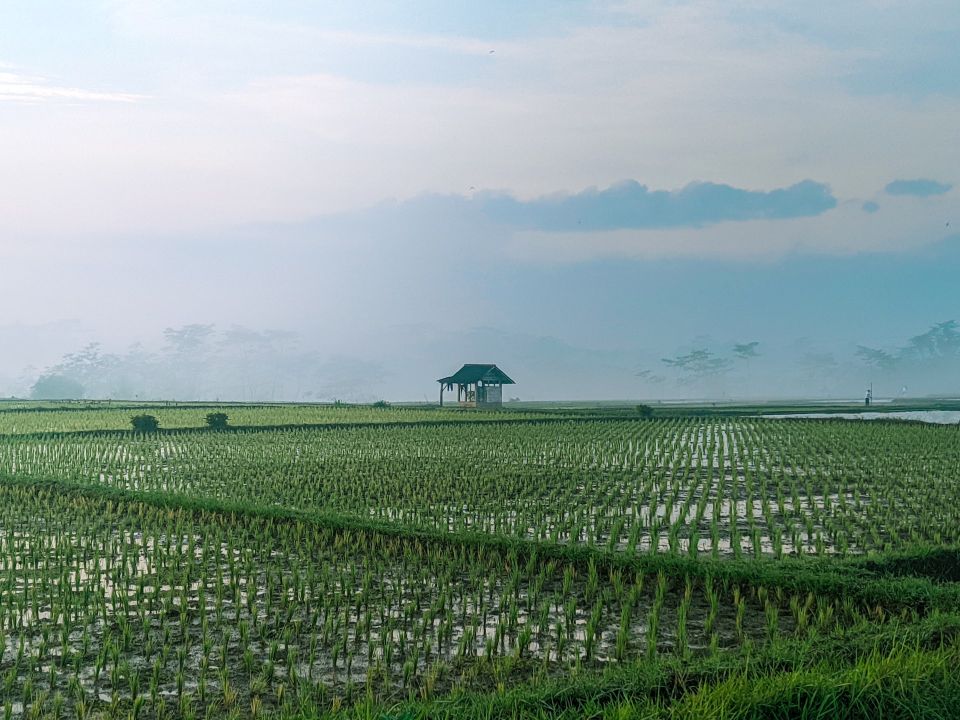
(381, 404)
(144, 423)
(645, 411)
(217, 420)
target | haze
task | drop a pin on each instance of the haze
(317, 201)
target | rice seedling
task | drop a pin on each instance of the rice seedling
(341, 609)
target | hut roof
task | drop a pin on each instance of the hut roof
(475, 372)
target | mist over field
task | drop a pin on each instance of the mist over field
(315, 203)
(205, 362)
(273, 314)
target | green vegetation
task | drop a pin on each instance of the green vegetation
(19, 418)
(413, 563)
(739, 488)
(145, 423)
(218, 420)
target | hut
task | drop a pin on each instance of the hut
(478, 385)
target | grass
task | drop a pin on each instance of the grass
(904, 684)
(893, 677)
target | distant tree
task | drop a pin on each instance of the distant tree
(381, 404)
(931, 354)
(879, 359)
(745, 351)
(56, 387)
(698, 364)
(217, 420)
(189, 339)
(650, 376)
(144, 423)
(940, 341)
(644, 411)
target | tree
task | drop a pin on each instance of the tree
(644, 411)
(650, 376)
(56, 387)
(745, 351)
(144, 423)
(939, 342)
(189, 339)
(698, 364)
(217, 420)
(879, 359)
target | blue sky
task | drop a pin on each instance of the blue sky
(622, 178)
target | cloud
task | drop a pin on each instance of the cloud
(17, 87)
(870, 207)
(259, 119)
(891, 48)
(631, 205)
(917, 188)
(847, 230)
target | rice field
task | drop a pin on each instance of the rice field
(125, 604)
(402, 559)
(720, 487)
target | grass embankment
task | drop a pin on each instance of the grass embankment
(890, 679)
(454, 420)
(21, 420)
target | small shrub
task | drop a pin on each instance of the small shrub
(217, 420)
(381, 404)
(644, 411)
(144, 423)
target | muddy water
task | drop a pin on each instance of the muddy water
(138, 616)
(935, 417)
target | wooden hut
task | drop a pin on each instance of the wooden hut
(478, 385)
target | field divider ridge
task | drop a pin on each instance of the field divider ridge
(243, 429)
(881, 581)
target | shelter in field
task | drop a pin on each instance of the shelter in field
(478, 386)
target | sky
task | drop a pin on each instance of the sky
(578, 191)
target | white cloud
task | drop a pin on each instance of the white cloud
(18, 87)
(688, 94)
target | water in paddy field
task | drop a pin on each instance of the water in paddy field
(939, 417)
